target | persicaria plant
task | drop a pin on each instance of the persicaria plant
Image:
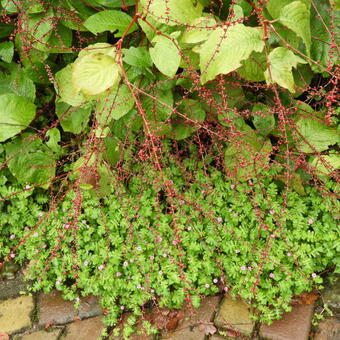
(164, 150)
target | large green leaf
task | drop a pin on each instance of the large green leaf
(165, 55)
(65, 88)
(322, 40)
(316, 135)
(223, 52)
(173, 12)
(28, 6)
(38, 29)
(281, 61)
(325, 164)
(18, 83)
(199, 31)
(15, 115)
(117, 104)
(30, 161)
(253, 68)
(274, 6)
(296, 16)
(109, 20)
(60, 40)
(137, 56)
(6, 51)
(264, 121)
(73, 119)
(95, 73)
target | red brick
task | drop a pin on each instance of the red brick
(294, 325)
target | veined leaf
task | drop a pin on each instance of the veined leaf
(6, 51)
(325, 164)
(199, 31)
(173, 12)
(15, 115)
(137, 56)
(253, 68)
(165, 55)
(73, 119)
(296, 16)
(30, 161)
(95, 73)
(316, 134)
(65, 88)
(281, 62)
(274, 6)
(264, 121)
(116, 105)
(109, 20)
(223, 52)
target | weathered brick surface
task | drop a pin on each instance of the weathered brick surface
(43, 335)
(15, 314)
(189, 328)
(53, 309)
(12, 288)
(89, 329)
(294, 325)
(234, 314)
(329, 329)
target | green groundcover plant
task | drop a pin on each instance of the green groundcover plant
(166, 150)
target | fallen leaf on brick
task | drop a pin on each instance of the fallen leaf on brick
(231, 334)
(207, 328)
(4, 336)
(306, 298)
(165, 318)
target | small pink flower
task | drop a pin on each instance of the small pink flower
(174, 242)
(12, 256)
(237, 251)
(139, 287)
(165, 255)
(181, 202)
(243, 268)
(272, 212)
(36, 234)
(57, 283)
(122, 307)
(152, 257)
(12, 237)
(235, 214)
(101, 267)
(207, 285)
(77, 299)
(67, 226)
(289, 254)
(86, 263)
(310, 221)
(27, 187)
(219, 219)
(40, 214)
(226, 289)
(215, 280)
(125, 264)
(249, 268)
(232, 186)
(202, 192)
(314, 275)
(272, 235)
(118, 274)
(271, 275)
(132, 260)
(189, 228)
(44, 246)
(139, 248)
(160, 272)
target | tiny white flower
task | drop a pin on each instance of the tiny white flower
(125, 264)
(215, 280)
(27, 187)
